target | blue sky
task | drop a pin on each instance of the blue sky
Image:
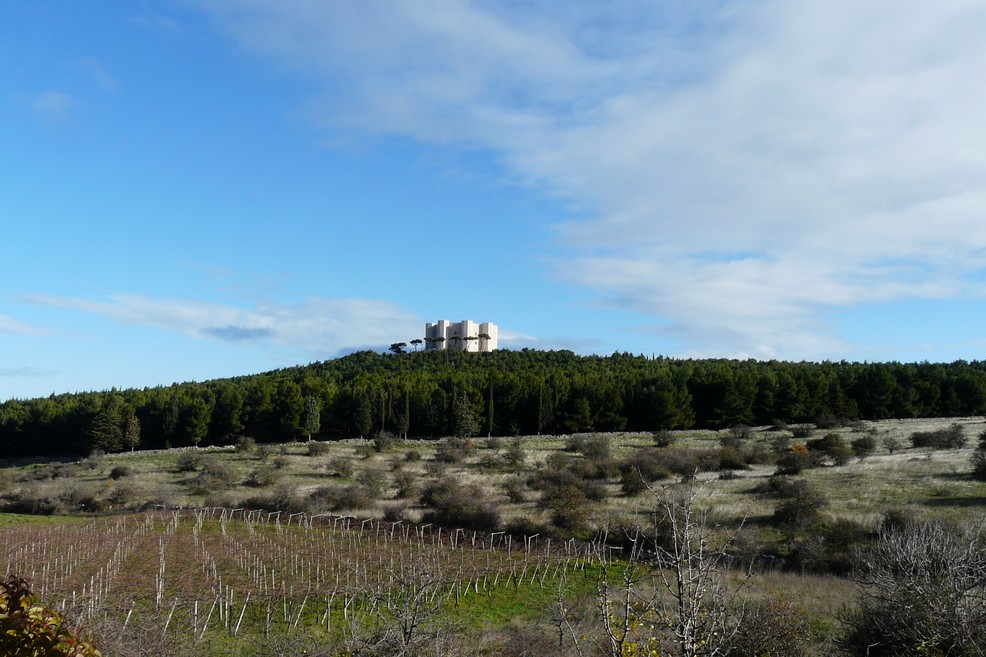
(195, 190)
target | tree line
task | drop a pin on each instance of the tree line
(527, 392)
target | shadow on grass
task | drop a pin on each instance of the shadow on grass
(955, 502)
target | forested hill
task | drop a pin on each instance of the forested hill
(438, 393)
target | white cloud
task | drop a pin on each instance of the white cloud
(54, 106)
(318, 326)
(10, 325)
(741, 172)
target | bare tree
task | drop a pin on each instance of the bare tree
(403, 617)
(670, 595)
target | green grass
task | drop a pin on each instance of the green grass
(20, 519)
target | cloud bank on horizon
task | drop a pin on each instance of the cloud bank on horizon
(738, 170)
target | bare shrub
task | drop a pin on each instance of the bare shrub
(568, 505)
(340, 498)
(457, 505)
(774, 626)
(922, 592)
(891, 444)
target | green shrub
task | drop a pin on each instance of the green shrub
(831, 446)
(831, 549)
(373, 481)
(780, 443)
(515, 490)
(730, 458)
(663, 438)
(527, 526)
(829, 421)
(407, 485)
(514, 456)
(801, 506)
(978, 462)
(245, 444)
(120, 471)
(316, 448)
(951, 437)
(802, 432)
(797, 459)
(123, 495)
(29, 629)
(736, 436)
(215, 475)
(383, 441)
(594, 447)
(863, 446)
(395, 512)
(897, 519)
(641, 468)
(454, 450)
(262, 477)
(342, 466)
(189, 461)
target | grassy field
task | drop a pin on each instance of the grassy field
(232, 546)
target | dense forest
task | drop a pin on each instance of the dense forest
(440, 393)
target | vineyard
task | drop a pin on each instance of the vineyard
(219, 578)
